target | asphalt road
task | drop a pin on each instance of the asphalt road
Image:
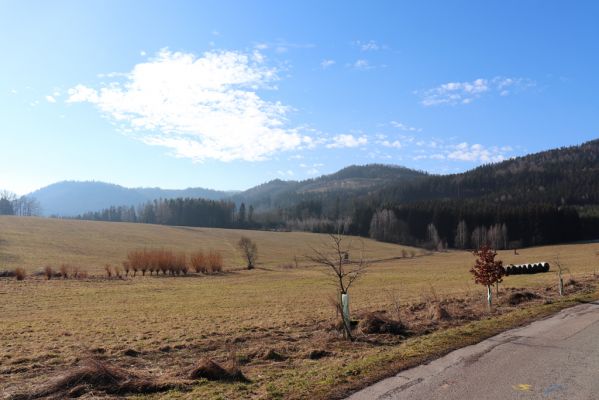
(555, 358)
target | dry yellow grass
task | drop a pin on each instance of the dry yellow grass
(173, 321)
(33, 243)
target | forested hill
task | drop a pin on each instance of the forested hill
(565, 176)
(547, 197)
(350, 182)
(70, 198)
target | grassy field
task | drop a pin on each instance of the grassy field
(47, 326)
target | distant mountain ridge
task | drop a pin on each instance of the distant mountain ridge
(564, 176)
(71, 198)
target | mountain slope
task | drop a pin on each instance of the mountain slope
(71, 198)
(349, 182)
(564, 176)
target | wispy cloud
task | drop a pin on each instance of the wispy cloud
(205, 107)
(370, 45)
(466, 92)
(403, 127)
(347, 140)
(478, 153)
(50, 99)
(361, 64)
(327, 63)
(461, 152)
(394, 144)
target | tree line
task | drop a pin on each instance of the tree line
(11, 204)
(180, 212)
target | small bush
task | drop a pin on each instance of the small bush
(108, 269)
(48, 272)
(20, 273)
(126, 267)
(199, 262)
(64, 271)
(215, 261)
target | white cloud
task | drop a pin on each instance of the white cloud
(466, 92)
(286, 174)
(143, 53)
(370, 45)
(341, 141)
(13, 91)
(404, 127)
(395, 144)
(199, 107)
(50, 99)
(327, 63)
(361, 64)
(475, 153)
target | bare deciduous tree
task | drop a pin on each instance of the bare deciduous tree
(249, 250)
(343, 269)
(462, 237)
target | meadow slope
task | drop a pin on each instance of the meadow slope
(47, 326)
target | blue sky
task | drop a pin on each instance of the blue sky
(227, 95)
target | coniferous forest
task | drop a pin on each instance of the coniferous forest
(543, 198)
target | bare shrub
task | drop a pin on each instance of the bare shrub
(126, 267)
(48, 272)
(395, 300)
(108, 269)
(249, 249)
(180, 263)
(117, 272)
(199, 262)
(65, 270)
(215, 261)
(437, 312)
(20, 273)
